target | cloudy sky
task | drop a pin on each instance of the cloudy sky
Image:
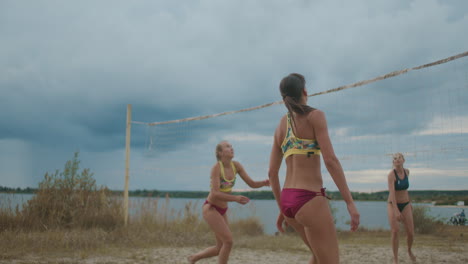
(68, 69)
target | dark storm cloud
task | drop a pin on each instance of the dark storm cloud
(68, 69)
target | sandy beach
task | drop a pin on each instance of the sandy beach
(350, 254)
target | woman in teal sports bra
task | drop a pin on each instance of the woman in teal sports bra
(300, 139)
(223, 178)
(399, 207)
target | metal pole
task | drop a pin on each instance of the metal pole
(127, 161)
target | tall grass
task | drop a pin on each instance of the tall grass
(156, 223)
(69, 212)
(425, 224)
(68, 199)
(153, 223)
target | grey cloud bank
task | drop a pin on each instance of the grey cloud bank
(68, 70)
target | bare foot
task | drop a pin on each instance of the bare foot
(395, 261)
(190, 260)
(412, 256)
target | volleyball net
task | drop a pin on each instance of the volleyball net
(420, 111)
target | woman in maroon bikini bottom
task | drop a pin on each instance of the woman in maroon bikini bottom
(220, 210)
(223, 178)
(300, 139)
(293, 199)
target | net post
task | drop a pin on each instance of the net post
(127, 162)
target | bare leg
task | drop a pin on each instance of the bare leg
(395, 228)
(206, 253)
(301, 231)
(219, 225)
(409, 227)
(320, 231)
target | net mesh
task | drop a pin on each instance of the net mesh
(420, 112)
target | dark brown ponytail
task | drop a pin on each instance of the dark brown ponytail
(291, 88)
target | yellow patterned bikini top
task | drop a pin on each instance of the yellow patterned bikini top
(225, 184)
(294, 145)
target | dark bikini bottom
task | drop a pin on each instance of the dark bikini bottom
(401, 206)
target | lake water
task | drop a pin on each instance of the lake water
(373, 214)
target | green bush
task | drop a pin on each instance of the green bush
(425, 224)
(70, 199)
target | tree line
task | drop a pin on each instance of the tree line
(440, 197)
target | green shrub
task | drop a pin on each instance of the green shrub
(425, 224)
(70, 199)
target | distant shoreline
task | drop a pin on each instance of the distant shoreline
(451, 206)
(439, 198)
